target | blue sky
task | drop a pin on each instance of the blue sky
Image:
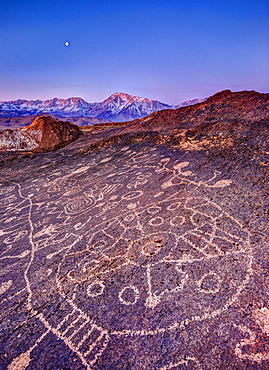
(166, 50)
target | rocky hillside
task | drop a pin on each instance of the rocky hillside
(223, 119)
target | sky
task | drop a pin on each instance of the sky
(167, 50)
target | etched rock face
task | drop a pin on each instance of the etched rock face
(43, 135)
(140, 250)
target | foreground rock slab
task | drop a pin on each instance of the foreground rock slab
(136, 254)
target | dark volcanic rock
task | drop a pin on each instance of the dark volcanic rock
(42, 135)
(141, 247)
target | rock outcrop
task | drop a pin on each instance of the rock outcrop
(42, 135)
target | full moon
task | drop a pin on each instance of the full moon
(66, 43)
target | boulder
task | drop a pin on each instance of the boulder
(44, 134)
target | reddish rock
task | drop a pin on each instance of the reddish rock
(42, 135)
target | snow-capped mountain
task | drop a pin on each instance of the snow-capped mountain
(123, 107)
(63, 107)
(188, 102)
(118, 107)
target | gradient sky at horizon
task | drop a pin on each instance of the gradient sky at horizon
(170, 51)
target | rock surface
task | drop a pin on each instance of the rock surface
(42, 135)
(141, 247)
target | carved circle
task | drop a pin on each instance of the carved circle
(132, 195)
(95, 289)
(129, 295)
(78, 205)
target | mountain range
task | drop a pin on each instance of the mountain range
(119, 107)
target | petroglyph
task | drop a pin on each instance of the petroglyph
(21, 362)
(250, 348)
(129, 295)
(117, 246)
(261, 316)
(5, 286)
(189, 362)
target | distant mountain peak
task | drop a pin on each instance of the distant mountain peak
(121, 94)
(125, 97)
